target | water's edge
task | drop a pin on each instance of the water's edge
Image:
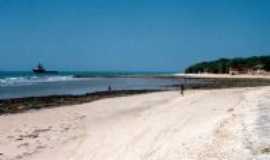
(17, 105)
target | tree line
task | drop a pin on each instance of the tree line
(224, 65)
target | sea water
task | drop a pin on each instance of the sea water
(27, 84)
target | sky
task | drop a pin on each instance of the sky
(129, 35)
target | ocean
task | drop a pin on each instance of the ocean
(28, 84)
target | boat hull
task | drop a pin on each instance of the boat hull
(45, 72)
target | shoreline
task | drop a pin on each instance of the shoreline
(17, 105)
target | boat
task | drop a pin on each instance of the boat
(41, 70)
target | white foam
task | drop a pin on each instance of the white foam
(28, 80)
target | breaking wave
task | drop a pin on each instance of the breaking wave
(29, 80)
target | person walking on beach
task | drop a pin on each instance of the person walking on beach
(109, 88)
(182, 88)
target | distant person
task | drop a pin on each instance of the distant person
(182, 88)
(109, 88)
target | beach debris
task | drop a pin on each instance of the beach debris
(23, 145)
(33, 135)
(265, 150)
(230, 110)
(19, 139)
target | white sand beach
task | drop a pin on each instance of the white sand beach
(210, 75)
(229, 124)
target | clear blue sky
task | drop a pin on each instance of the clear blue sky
(129, 35)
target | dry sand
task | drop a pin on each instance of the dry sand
(230, 124)
(210, 75)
